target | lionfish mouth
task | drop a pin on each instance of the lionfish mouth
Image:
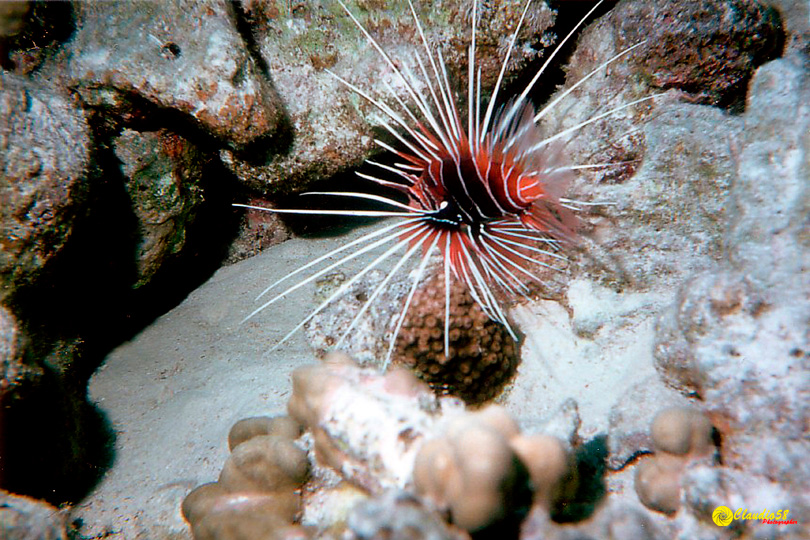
(485, 193)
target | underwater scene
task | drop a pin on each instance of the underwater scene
(405, 270)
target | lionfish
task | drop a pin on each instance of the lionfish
(485, 193)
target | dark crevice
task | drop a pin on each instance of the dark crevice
(86, 303)
(280, 140)
(135, 112)
(569, 14)
(320, 226)
(109, 232)
(632, 460)
(584, 486)
(245, 30)
(717, 440)
(277, 143)
(56, 445)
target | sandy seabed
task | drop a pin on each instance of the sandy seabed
(173, 392)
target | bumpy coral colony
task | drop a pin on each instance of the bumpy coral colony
(486, 193)
(481, 358)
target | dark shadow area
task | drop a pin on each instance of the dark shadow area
(55, 444)
(89, 290)
(569, 14)
(734, 98)
(277, 143)
(43, 27)
(584, 487)
(325, 226)
(517, 505)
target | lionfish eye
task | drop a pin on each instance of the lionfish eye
(447, 216)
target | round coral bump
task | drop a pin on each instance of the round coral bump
(212, 504)
(658, 483)
(436, 474)
(312, 386)
(247, 428)
(284, 505)
(489, 472)
(498, 419)
(264, 463)
(681, 431)
(547, 462)
(200, 501)
(239, 526)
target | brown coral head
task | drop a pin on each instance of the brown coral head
(214, 512)
(482, 356)
(312, 386)
(264, 463)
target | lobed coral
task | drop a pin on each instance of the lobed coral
(484, 473)
(383, 432)
(257, 493)
(679, 434)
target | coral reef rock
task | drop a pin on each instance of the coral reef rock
(189, 59)
(299, 42)
(398, 515)
(737, 335)
(23, 518)
(164, 173)
(389, 432)
(44, 156)
(709, 49)
(368, 434)
(629, 420)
